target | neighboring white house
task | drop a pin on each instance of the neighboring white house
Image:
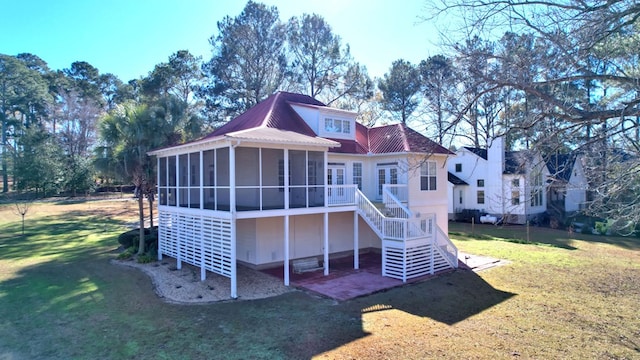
(509, 185)
(292, 178)
(568, 184)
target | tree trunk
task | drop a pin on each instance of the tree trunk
(5, 176)
(150, 199)
(141, 213)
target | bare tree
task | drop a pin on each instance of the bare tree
(579, 77)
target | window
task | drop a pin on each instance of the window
(480, 182)
(480, 197)
(458, 167)
(428, 175)
(536, 197)
(515, 182)
(357, 174)
(337, 126)
(515, 197)
(536, 190)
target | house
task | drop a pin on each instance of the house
(510, 185)
(567, 184)
(292, 179)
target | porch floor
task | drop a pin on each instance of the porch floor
(344, 282)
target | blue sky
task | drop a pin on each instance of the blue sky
(128, 37)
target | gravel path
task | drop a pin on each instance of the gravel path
(184, 286)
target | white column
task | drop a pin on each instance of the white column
(158, 200)
(326, 186)
(202, 179)
(203, 271)
(286, 250)
(178, 224)
(326, 243)
(356, 243)
(286, 178)
(232, 209)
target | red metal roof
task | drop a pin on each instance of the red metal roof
(274, 112)
(401, 138)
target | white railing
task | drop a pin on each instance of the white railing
(400, 191)
(338, 195)
(394, 199)
(406, 229)
(370, 213)
(446, 247)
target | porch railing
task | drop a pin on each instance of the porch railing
(394, 198)
(339, 195)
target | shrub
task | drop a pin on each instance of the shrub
(127, 254)
(146, 258)
(130, 238)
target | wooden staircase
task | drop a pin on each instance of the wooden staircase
(412, 246)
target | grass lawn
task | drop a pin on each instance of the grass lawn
(561, 297)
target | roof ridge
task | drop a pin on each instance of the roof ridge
(405, 140)
(267, 116)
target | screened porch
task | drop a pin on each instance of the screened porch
(253, 177)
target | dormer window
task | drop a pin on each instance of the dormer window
(338, 126)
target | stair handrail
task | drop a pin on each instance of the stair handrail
(446, 247)
(392, 202)
(370, 213)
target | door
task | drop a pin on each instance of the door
(335, 176)
(386, 175)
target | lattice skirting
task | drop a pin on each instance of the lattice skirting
(199, 240)
(403, 263)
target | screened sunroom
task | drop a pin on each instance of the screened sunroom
(208, 179)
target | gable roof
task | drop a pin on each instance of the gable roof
(561, 166)
(516, 162)
(478, 151)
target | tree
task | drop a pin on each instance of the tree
(130, 131)
(23, 101)
(39, 165)
(439, 84)
(186, 72)
(320, 62)
(399, 88)
(582, 77)
(248, 62)
(476, 113)
(85, 78)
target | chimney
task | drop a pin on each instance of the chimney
(495, 153)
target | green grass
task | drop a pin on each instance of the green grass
(561, 297)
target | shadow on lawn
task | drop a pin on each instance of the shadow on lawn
(449, 298)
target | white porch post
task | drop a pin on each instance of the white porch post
(158, 199)
(179, 259)
(286, 250)
(356, 243)
(286, 178)
(232, 209)
(326, 185)
(326, 243)
(203, 271)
